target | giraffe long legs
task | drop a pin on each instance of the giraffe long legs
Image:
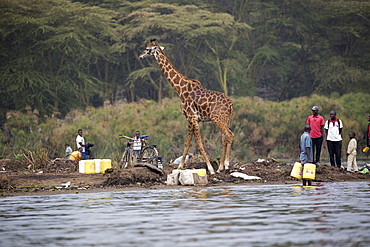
(227, 140)
(189, 137)
(193, 128)
(201, 147)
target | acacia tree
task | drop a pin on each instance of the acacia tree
(345, 62)
(48, 48)
(201, 44)
(300, 47)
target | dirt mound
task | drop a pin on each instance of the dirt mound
(195, 164)
(60, 166)
(326, 173)
(141, 176)
(271, 170)
(266, 169)
(54, 166)
(12, 165)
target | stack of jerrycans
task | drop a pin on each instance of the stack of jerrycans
(308, 172)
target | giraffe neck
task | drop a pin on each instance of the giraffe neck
(178, 81)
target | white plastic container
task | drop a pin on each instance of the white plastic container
(81, 166)
(97, 165)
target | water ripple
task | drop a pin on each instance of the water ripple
(331, 214)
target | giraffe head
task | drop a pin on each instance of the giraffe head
(151, 50)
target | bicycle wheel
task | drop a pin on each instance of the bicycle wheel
(125, 161)
(149, 155)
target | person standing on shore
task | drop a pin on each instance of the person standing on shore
(137, 144)
(352, 153)
(333, 128)
(317, 133)
(305, 146)
(80, 142)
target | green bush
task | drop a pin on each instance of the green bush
(262, 128)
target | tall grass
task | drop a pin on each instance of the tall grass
(262, 128)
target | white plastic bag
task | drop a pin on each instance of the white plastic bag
(186, 177)
(173, 178)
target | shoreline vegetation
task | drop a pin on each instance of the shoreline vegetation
(262, 128)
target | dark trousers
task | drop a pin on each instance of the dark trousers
(335, 149)
(316, 148)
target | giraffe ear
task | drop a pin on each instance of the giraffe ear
(162, 48)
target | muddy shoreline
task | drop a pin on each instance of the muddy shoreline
(16, 180)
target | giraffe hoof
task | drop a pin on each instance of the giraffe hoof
(224, 170)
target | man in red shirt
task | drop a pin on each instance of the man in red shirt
(317, 132)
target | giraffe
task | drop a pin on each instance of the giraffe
(198, 105)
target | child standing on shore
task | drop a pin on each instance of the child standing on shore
(352, 153)
(305, 146)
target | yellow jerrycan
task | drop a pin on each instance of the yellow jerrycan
(105, 164)
(89, 166)
(296, 171)
(309, 171)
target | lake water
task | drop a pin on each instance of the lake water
(327, 214)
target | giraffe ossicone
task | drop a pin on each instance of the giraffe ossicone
(198, 105)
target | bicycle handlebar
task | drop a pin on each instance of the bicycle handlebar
(122, 136)
(141, 137)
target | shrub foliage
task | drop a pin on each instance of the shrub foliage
(262, 128)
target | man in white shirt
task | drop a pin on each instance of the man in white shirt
(80, 142)
(333, 128)
(137, 143)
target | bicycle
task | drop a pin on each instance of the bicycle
(148, 154)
